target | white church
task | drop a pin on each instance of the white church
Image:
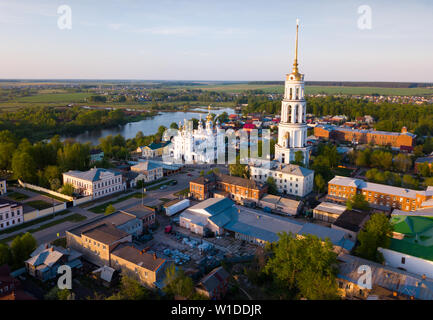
(205, 144)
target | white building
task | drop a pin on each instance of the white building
(3, 188)
(292, 129)
(202, 145)
(95, 182)
(147, 171)
(289, 178)
(11, 214)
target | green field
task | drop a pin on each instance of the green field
(55, 98)
(236, 88)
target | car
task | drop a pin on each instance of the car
(189, 175)
(163, 187)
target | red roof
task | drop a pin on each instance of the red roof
(249, 126)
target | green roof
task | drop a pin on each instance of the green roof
(412, 224)
(418, 236)
(413, 249)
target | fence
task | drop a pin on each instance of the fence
(42, 213)
(40, 189)
(82, 200)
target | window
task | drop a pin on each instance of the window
(403, 260)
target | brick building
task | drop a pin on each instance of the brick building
(380, 196)
(360, 136)
(236, 188)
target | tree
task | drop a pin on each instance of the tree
(359, 202)
(130, 289)
(402, 162)
(272, 186)
(299, 158)
(110, 209)
(410, 182)
(376, 234)
(5, 254)
(301, 263)
(21, 248)
(67, 189)
(174, 125)
(424, 169)
(23, 166)
(363, 158)
(177, 283)
(239, 170)
(319, 183)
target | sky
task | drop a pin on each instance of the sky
(234, 40)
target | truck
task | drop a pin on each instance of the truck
(174, 207)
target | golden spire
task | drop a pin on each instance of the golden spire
(295, 63)
(209, 117)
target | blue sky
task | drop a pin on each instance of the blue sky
(217, 40)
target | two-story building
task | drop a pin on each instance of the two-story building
(96, 182)
(148, 171)
(380, 196)
(236, 188)
(96, 239)
(11, 213)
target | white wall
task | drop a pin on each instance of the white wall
(412, 264)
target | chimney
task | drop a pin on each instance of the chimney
(154, 256)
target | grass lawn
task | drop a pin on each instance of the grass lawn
(39, 204)
(60, 242)
(17, 196)
(101, 208)
(183, 192)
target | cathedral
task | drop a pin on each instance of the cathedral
(292, 130)
(202, 145)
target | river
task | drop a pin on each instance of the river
(148, 126)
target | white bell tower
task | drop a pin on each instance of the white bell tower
(292, 130)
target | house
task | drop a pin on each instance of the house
(280, 204)
(96, 155)
(328, 211)
(10, 287)
(11, 213)
(145, 267)
(236, 188)
(3, 188)
(96, 239)
(153, 150)
(214, 285)
(96, 182)
(387, 283)
(46, 259)
(220, 215)
(144, 213)
(351, 222)
(147, 171)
